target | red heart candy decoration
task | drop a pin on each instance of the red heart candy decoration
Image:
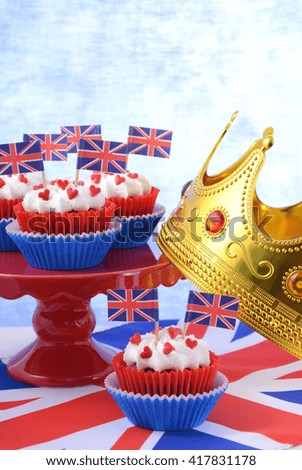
(94, 190)
(132, 175)
(174, 331)
(2, 183)
(53, 182)
(72, 193)
(81, 183)
(23, 178)
(136, 339)
(146, 353)
(168, 348)
(62, 184)
(191, 343)
(44, 194)
(96, 177)
(38, 186)
(119, 179)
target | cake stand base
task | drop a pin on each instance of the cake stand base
(64, 354)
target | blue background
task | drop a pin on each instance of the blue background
(184, 66)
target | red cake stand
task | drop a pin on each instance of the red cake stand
(64, 353)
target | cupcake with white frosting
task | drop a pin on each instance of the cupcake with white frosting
(136, 207)
(63, 227)
(166, 364)
(13, 188)
(131, 193)
(63, 208)
(166, 381)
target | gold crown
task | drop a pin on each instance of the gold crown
(225, 240)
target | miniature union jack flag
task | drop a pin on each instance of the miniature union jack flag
(212, 309)
(102, 155)
(20, 157)
(75, 133)
(149, 142)
(53, 146)
(132, 305)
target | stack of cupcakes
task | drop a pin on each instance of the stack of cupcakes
(64, 227)
(166, 381)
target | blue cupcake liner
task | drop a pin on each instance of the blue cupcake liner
(6, 243)
(136, 230)
(63, 252)
(163, 413)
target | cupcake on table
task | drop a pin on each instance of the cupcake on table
(166, 379)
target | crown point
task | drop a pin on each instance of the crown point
(268, 139)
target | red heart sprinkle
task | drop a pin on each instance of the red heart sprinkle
(96, 177)
(38, 186)
(44, 194)
(191, 343)
(119, 179)
(168, 348)
(53, 182)
(132, 175)
(136, 339)
(23, 179)
(94, 190)
(146, 353)
(62, 184)
(174, 331)
(2, 183)
(81, 183)
(72, 193)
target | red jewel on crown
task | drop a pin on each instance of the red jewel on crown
(215, 222)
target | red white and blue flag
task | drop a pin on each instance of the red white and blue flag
(212, 309)
(20, 157)
(261, 408)
(75, 133)
(53, 146)
(149, 141)
(132, 305)
(102, 155)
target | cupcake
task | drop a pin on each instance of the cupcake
(131, 193)
(63, 227)
(166, 381)
(12, 191)
(136, 210)
(166, 364)
(63, 208)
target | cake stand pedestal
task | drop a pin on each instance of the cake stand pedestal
(64, 352)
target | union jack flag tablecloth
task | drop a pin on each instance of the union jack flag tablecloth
(149, 142)
(102, 155)
(75, 133)
(261, 409)
(20, 157)
(53, 146)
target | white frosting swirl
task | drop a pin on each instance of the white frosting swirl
(16, 186)
(119, 184)
(63, 199)
(169, 351)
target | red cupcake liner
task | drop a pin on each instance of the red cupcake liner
(136, 205)
(172, 382)
(7, 208)
(65, 222)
